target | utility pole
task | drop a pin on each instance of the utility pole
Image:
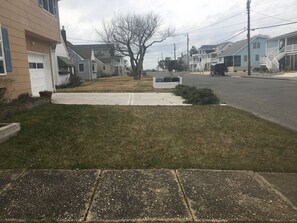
(188, 56)
(248, 6)
(174, 52)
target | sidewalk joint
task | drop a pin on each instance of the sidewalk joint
(185, 197)
(93, 195)
(24, 171)
(261, 180)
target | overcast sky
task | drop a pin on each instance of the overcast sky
(206, 21)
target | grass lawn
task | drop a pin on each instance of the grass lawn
(120, 137)
(115, 84)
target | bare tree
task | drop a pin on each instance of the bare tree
(132, 35)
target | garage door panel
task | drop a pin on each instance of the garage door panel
(38, 72)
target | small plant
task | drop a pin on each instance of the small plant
(74, 81)
(196, 96)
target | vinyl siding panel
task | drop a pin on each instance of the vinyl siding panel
(26, 23)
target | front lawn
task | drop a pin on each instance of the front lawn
(119, 137)
(114, 84)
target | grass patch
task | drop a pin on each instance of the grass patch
(115, 84)
(123, 137)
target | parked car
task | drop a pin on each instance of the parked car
(218, 69)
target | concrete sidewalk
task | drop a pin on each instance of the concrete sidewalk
(147, 99)
(143, 195)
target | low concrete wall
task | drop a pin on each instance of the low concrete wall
(166, 85)
(8, 130)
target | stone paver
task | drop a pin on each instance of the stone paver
(232, 195)
(7, 177)
(286, 183)
(138, 195)
(49, 195)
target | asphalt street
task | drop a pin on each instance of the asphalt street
(271, 99)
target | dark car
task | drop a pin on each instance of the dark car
(218, 69)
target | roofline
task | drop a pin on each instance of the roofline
(253, 39)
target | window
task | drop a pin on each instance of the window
(5, 59)
(256, 45)
(36, 65)
(237, 61)
(49, 6)
(257, 58)
(81, 68)
(103, 67)
(94, 67)
(245, 58)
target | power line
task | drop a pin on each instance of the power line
(232, 37)
(270, 16)
(272, 26)
(189, 31)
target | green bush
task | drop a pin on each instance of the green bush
(196, 96)
(74, 81)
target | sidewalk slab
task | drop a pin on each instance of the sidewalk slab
(7, 177)
(48, 195)
(232, 196)
(286, 183)
(135, 195)
(138, 99)
(91, 98)
(155, 99)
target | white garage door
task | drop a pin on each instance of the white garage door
(38, 73)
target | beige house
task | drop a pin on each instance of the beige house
(29, 35)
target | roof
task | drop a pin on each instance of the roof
(237, 46)
(64, 62)
(85, 53)
(105, 60)
(208, 47)
(292, 34)
(97, 46)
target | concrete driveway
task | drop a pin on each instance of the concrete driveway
(141, 99)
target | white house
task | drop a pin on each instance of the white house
(64, 63)
(281, 53)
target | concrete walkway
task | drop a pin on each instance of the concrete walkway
(148, 99)
(143, 195)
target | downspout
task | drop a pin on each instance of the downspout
(91, 71)
(54, 66)
(233, 64)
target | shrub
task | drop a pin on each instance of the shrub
(74, 81)
(196, 96)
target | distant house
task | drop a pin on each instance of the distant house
(29, 33)
(187, 59)
(236, 56)
(200, 60)
(64, 62)
(84, 61)
(111, 64)
(281, 53)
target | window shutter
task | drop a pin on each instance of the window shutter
(6, 48)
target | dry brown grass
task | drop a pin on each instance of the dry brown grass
(115, 84)
(127, 137)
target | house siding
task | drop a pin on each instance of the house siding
(26, 23)
(261, 52)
